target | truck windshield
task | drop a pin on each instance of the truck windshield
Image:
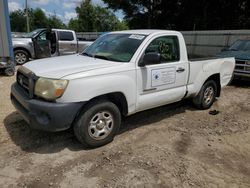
(32, 33)
(240, 45)
(115, 47)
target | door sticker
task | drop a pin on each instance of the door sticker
(162, 76)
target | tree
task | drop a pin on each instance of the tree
(106, 20)
(74, 24)
(86, 16)
(95, 18)
(17, 20)
(55, 22)
(184, 14)
(38, 19)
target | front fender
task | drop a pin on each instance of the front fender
(87, 88)
(24, 46)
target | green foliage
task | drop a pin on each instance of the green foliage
(37, 19)
(55, 22)
(95, 18)
(184, 14)
(86, 16)
(90, 18)
(17, 21)
(74, 25)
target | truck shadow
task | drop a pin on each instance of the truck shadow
(240, 83)
(30, 140)
(154, 115)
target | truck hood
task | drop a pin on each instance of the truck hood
(21, 39)
(58, 67)
(17, 41)
(241, 55)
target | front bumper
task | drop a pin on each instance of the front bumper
(245, 74)
(42, 115)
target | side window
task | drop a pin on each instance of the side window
(66, 35)
(167, 47)
(42, 37)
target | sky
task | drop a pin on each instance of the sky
(64, 9)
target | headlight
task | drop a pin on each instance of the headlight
(248, 62)
(50, 89)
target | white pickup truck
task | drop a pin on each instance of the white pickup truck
(121, 73)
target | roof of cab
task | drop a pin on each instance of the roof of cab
(145, 31)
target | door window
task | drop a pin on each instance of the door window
(167, 47)
(42, 37)
(66, 35)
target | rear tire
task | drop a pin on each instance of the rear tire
(21, 57)
(206, 96)
(97, 124)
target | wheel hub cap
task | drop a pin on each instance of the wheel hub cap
(208, 95)
(101, 125)
(20, 58)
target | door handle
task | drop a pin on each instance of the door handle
(179, 70)
(151, 89)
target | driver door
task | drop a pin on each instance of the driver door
(162, 82)
(42, 44)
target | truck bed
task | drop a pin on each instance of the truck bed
(200, 69)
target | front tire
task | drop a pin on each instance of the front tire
(206, 96)
(98, 124)
(21, 57)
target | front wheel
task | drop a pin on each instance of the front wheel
(21, 57)
(206, 96)
(98, 124)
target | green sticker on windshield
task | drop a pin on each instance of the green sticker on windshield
(137, 37)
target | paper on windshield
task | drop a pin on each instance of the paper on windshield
(137, 37)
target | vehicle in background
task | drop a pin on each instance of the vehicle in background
(121, 73)
(241, 51)
(42, 43)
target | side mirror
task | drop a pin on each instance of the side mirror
(150, 58)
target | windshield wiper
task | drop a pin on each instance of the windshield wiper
(101, 57)
(86, 54)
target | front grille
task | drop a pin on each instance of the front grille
(240, 65)
(26, 80)
(23, 81)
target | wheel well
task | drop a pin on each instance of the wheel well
(24, 49)
(118, 99)
(216, 79)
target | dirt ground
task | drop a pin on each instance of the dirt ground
(170, 146)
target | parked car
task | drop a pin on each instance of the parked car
(241, 51)
(42, 43)
(121, 73)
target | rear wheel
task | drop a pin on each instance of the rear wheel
(21, 57)
(206, 96)
(98, 124)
